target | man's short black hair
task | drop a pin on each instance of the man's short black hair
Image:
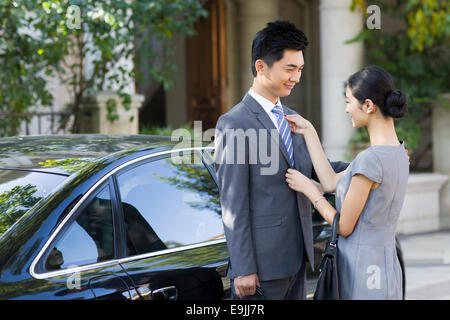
(269, 43)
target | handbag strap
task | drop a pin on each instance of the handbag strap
(331, 247)
(334, 230)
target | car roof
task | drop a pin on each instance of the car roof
(66, 154)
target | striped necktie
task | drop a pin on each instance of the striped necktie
(285, 132)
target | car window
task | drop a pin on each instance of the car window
(89, 239)
(170, 202)
(20, 190)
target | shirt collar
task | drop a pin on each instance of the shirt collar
(265, 103)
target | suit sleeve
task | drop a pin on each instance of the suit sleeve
(337, 166)
(233, 179)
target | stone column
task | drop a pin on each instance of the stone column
(253, 16)
(338, 61)
(441, 154)
(94, 111)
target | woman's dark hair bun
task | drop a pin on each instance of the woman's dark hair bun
(396, 104)
(376, 84)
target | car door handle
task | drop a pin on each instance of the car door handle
(167, 293)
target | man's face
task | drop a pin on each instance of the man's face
(280, 79)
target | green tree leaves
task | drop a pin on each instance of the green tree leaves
(42, 39)
(416, 55)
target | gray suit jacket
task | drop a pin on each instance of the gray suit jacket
(268, 226)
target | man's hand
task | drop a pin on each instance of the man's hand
(246, 285)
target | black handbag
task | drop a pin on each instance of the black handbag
(327, 286)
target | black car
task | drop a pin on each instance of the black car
(114, 217)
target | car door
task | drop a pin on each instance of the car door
(175, 245)
(81, 260)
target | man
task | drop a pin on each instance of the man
(268, 226)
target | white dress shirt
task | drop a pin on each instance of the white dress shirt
(267, 105)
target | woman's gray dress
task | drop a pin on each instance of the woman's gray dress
(368, 267)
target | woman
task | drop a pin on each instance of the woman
(369, 193)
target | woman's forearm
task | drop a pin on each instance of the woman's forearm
(325, 209)
(324, 171)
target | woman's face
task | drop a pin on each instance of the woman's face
(353, 108)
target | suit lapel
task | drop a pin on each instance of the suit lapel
(301, 156)
(262, 116)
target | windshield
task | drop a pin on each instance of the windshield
(20, 190)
